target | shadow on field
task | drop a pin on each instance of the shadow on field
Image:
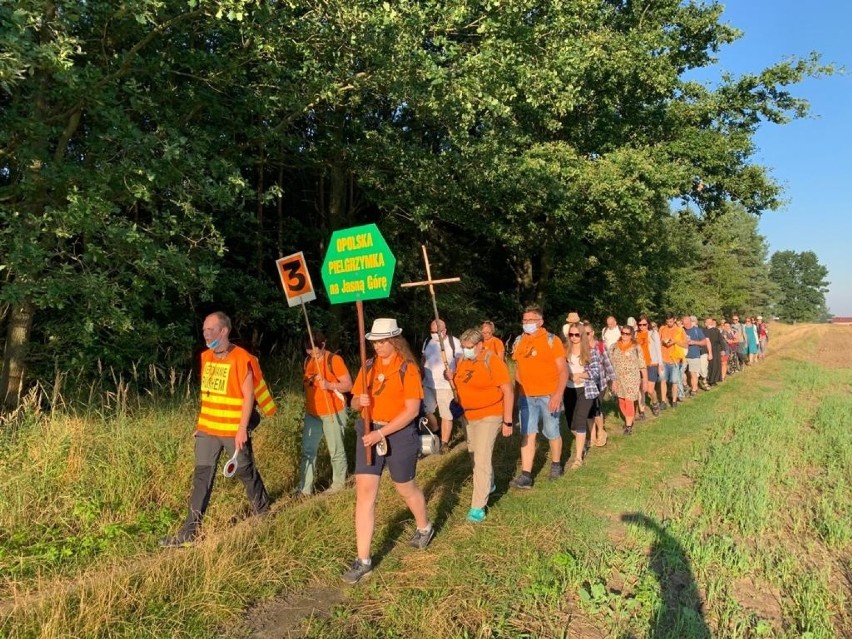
(681, 611)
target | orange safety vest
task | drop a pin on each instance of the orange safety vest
(221, 391)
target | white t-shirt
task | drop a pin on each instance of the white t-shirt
(433, 363)
(610, 336)
(576, 368)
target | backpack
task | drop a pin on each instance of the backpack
(347, 396)
(452, 344)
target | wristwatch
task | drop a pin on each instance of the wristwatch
(509, 424)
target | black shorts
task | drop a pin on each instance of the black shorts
(595, 410)
(401, 458)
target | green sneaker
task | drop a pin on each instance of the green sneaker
(476, 515)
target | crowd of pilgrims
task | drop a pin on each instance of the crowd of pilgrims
(488, 387)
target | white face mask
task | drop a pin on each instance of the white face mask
(469, 353)
(530, 328)
(434, 336)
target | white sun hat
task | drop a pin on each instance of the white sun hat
(383, 328)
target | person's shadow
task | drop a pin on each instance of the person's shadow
(681, 611)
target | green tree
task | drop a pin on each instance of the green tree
(157, 155)
(110, 171)
(802, 285)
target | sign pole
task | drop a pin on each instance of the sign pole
(359, 266)
(367, 412)
(299, 289)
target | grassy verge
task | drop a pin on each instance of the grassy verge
(728, 518)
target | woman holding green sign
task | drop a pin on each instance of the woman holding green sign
(390, 387)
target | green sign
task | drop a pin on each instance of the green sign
(358, 265)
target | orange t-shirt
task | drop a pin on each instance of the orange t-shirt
(536, 370)
(478, 383)
(315, 403)
(495, 345)
(387, 388)
(643, 339)
(676, 334)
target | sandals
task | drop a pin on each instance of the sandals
(577, 463)
(601, 439)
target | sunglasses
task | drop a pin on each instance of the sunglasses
(626, 333)
(643, 323)
(573, 335)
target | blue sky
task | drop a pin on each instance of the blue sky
(811, 158)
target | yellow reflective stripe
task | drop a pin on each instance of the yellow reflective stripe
(225, 413)
(217, 426)
(222, 399)
(264, 398)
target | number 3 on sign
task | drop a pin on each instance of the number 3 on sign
(295, 279)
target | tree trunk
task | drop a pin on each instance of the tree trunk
(14, 354)
(279, 209)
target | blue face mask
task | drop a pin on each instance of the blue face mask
(214, 343)
(469, 353)
(531, 328)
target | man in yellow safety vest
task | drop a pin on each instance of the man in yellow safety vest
(231, 385)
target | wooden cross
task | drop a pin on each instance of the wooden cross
(431, 284)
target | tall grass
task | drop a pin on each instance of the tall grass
(654, 537)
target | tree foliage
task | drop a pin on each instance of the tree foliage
(157, 156)
(802, 285)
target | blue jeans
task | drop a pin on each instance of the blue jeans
(671, 373)
(533, 409)
(330, 426)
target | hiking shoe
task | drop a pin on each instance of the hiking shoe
(184, 538)
(476, 515)
(422, 538)
(663, 406)
(445, 448)
(641, 416)
(357, 572)
(522, 481)
(628, 430)
(655, 409)
(555, 470)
